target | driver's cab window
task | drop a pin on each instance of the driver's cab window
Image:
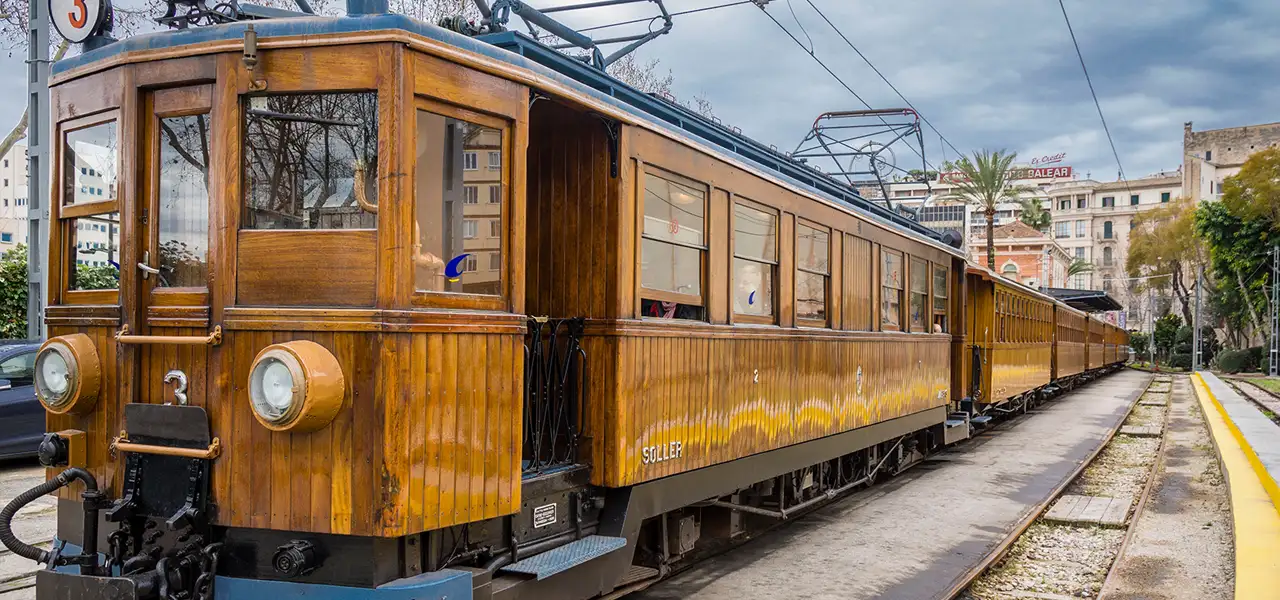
(311, 161)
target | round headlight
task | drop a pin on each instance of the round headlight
(67, 374)
(296, 386)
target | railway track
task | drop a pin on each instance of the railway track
(1039, 524)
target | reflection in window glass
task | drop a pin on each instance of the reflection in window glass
(93, 260)
(939, 300)
(184, 201)
(89, 159)
(891, 290)
(447, 236)
(671, 253)
(919, 292)
(812, 254)
(300, 157)
(755, 248)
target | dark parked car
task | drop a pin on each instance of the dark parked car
(21, 414)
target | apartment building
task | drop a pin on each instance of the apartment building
(1022, 253)
(13, 197)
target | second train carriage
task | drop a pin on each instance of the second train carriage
(326, 255)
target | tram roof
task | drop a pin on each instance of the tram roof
(520, 50)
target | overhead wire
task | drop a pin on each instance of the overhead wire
(1094, 93)
(882, 76)
(674, 14)
(812, 54)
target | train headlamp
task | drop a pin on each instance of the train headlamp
(296, 386)
(67, 374)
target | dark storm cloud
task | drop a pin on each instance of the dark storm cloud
(988, 74)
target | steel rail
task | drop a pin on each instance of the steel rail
(960, 585)
(1109, 582)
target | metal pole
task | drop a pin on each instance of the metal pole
(37, 163)
(1274, 355)
(1151, 325)
(1195, 329)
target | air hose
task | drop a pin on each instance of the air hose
(61, 480)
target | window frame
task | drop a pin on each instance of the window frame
(774, 266)
(935, 270)
(64, 214)
(926, 308)
(825, 321)
(167, 104)
(442, 299)
(644, 293)
(901, 291)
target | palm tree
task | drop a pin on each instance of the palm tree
(986, 181)
(1034, 214)
(1078, 266)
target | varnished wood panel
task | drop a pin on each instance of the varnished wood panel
(859, 263)
(723, 395)
(572, 216)
(339, 269)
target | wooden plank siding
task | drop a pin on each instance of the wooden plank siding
(724, 394)
(1069, 343)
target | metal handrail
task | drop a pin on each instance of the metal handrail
(213, 339)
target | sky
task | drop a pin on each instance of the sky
(988, 74)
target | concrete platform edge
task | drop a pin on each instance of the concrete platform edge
(1254, 501)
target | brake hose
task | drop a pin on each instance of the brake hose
(59, 481)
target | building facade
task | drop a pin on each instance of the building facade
(1022, 254)
(1209, 157)
(13, 197)
(1092, 221)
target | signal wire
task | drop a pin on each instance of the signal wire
(882, 77)
(1094, 93)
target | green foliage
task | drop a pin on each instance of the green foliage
(985, 181)
(91, 277)
(1079, 266)
(1237, 361)
(1034, 214)
(13, 293)
(1139, 342)
(1180, 361)
(1239, 244)
(1166, 334)
(1254, 192)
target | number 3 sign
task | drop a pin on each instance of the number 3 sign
(76, 20)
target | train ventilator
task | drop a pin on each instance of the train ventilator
(362, 307)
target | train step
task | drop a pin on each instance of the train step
(980, 420)
(565, 557)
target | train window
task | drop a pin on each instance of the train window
(447, 237)
(673, 247)
(93, 252)
(301, 159)
(939, 299)
(919, 300)
(755, 259)
(891, 290)
(183, 216)
(90, 158)
(813, 255)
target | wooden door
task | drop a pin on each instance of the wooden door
(173, 224)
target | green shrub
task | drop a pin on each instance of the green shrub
(1237, 361)
(1258, 355)
(1180, 361)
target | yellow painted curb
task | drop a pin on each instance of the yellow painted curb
(1254, 506)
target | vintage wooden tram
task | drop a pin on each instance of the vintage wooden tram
(313, 373)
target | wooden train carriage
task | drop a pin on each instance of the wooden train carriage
(1097, 336)
(376, 205)
(1070, 349)
(727, 314)
(1009, 334)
